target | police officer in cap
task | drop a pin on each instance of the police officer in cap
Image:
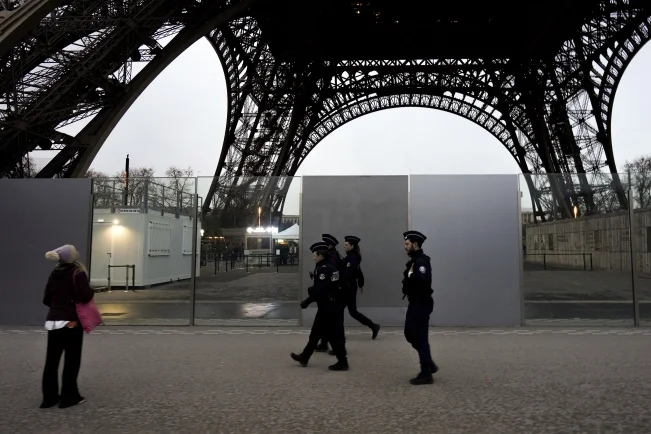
(352, 275)
(336, 261)
(417, 287)
(327, 323)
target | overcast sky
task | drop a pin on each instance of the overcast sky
(180, 120)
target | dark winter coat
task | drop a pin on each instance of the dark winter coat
(67, 285)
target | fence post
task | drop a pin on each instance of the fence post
(277, 260)
(544, 261)
(584, 264)
(246, 263)
(631, 224)
(133, 277)
(193, 261)
(126, 279)
(109, 278)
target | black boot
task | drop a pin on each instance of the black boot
(434, 368)
(424, 377)
(71, 403)
(322, 347)
(341, 365)
(48, 403)
(376, 330)
(300, 359)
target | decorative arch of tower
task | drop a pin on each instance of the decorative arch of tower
(63, 62)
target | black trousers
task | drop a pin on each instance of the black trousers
(352, 308)
(329, 326)
(351, 302)
(417, 328)
(68, 340)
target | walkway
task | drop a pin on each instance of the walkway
(190, 380)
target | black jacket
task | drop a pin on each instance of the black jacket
(351, 271)
(418, 286)
(326, 283)
(66, 286)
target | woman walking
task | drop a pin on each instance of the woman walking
(352, 274)
(66, 286)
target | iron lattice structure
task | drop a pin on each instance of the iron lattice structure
(549, 100)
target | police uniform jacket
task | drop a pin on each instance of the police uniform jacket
(418, 286)
(326, 284)
(351, 272)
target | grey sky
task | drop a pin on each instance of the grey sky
(180, 120)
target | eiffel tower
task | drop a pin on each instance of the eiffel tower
(539, 76)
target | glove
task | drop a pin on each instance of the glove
(304, 304)
(311, 275)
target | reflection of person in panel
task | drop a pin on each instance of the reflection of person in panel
(67, 285)
(328, 323)
(417, 287)
(352, 273)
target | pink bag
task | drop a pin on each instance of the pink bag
(89, 316)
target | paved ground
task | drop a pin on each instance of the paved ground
(263, 285)
(192, 380)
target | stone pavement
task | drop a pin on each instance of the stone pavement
(189, 380)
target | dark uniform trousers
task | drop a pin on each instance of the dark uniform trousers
(329, 326)
(352, 307)
(417, 327)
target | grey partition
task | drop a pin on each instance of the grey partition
(38, 215)
(474, 239)
(374, 209)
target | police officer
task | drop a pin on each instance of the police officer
(327, 323)
(352, 275)
(336, 261)
(417, 287)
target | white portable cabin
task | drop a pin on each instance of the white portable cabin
(157, 242)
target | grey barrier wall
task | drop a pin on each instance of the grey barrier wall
(374, 209)
(474, 239)
(39, 215)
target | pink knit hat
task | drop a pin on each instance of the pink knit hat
(65, 254)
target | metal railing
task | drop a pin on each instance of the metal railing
(126, 280)
(246, 262)
(587, 259)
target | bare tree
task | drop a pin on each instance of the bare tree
(169, 193)
(640, 171)
(105, 189)
(26, 168)
(180, 185)
(139, 178)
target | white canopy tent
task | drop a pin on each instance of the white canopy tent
(290, 233)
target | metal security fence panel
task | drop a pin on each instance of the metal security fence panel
(576, 248)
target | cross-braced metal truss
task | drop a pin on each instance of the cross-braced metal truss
(552, 114)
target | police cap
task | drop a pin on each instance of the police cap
(352, 239)
(415, 236)
(318, 246)
(329, 239)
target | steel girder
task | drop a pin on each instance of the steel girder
(552, 114)
(77, 63)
